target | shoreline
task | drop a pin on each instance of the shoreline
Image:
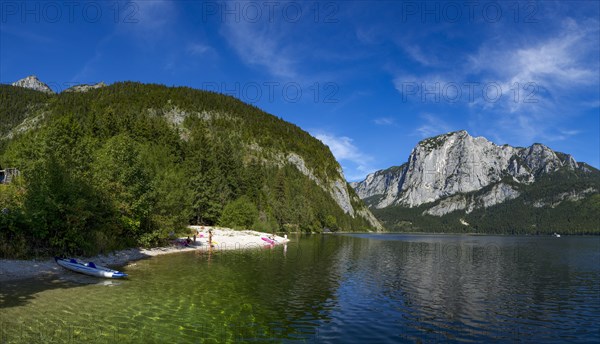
(224, 239)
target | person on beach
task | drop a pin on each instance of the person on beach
(210, 238)
(188, 241)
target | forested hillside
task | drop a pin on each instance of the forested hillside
(17, 104)
(126, 164)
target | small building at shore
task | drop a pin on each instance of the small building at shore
(7, 175)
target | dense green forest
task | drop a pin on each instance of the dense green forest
(517, 216)
(126, 164)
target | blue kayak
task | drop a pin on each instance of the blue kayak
(88, 268)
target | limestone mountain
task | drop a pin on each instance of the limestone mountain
(460, 176)
(32, 82)
(85, 87)
(126, 163)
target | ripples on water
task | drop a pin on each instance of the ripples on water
(329, 288)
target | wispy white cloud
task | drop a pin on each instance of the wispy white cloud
(564, 63)
(89, 67)
(431, 126)
(384, 121)
(261, 44)
(288, 49)
(369, 34)
(342, 147)
(151, 17)
(197, 48)
(149, 24)
(544, 83)
(544, 80)
(355, 163)
(416, 53)
(144, 22)
(423, 87)
(566, 134)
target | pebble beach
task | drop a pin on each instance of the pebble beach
(223, 239)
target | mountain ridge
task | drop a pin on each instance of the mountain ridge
(456, 173)
(85, 87)
(32, 82)
(468, 163)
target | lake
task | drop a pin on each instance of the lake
(384, 288)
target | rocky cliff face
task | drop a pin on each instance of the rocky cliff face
(32, 82)
(85, 88)
(499, 193)
(449, 166)
(337, 188)
(382, 185)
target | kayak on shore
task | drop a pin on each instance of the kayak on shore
(88, 268)
(269, 240)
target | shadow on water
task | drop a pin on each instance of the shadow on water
(17, 293)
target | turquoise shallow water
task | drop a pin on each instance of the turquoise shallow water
(328, 288)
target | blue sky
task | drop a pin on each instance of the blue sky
(368, 78)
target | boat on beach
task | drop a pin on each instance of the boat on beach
(269, 240)
(88, 268)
